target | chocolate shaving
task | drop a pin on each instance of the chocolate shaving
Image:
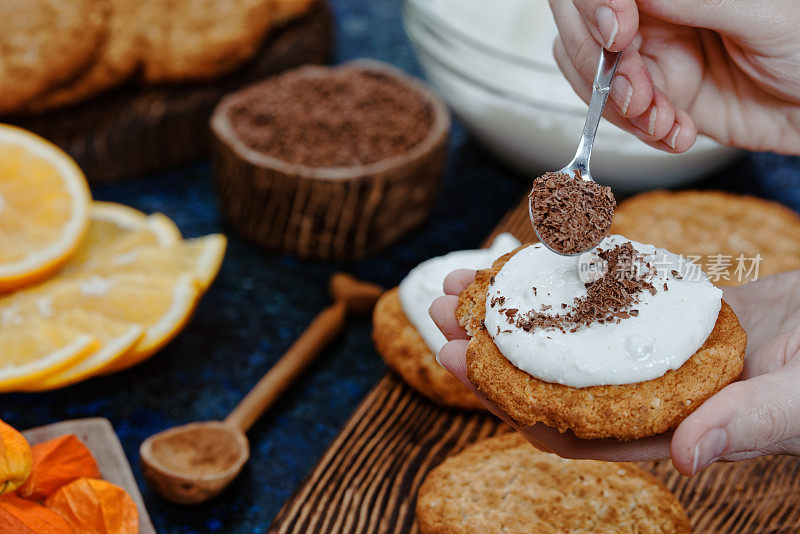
(570, 214)
(608, 299)
(341, 118)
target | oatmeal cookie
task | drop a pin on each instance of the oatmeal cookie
(45, 43)
(199, 39)
(116, 60)
(504, 485)
(625, 412)
(713, 223)
(406, 353)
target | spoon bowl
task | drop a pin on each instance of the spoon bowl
(579, 166)
(193, 463)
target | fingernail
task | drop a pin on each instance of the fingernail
(673, 136)
(607, 23)
(709, 448)
(438, 361)
(646, 122)
(621, 92)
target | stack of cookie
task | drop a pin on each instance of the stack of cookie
(59, 52)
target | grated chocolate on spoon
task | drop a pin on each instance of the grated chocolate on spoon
(570, 214)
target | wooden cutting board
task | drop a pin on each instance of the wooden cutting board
(98, 435)
(137, 129)
(367, 480)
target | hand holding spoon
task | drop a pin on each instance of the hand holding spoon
(192, 463)
(545, 192)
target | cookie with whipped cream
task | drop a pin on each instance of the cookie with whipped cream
(623, 342)
(407, 338)
(504, 485)
(725, 231)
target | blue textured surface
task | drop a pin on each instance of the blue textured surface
(261, 302)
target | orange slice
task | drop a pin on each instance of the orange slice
(44, 207)
(129, 289)
(33, 348)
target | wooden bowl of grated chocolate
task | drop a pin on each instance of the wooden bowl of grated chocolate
(330, 162)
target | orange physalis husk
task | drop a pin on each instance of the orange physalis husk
(22, 516)
(94, 506)
(57, 462)
(15, 459)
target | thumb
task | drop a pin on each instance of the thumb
(745, 419)
(744, 19)
(772, 355)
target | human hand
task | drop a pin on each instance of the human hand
(729, 70)
(758, 415)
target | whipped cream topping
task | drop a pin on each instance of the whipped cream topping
(423, 284)
(669, 323)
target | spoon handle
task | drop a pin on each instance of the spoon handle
(325, 326)
(606, 68)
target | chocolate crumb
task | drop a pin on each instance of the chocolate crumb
(570, 214)
(665, 287)
(608, 299)
(342, 118)
(676, 274)
(497, 300)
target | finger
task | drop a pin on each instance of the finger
(453, 357)
(567, 445)
(744, 419)
(613, 23)
(632, 87)
(745, 19)
(672, 130)
(457, 281)
(443, 313)
(773, 355)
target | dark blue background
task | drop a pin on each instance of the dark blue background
(261, 302)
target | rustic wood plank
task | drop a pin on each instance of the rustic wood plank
(136, 129)
(98, 435)
(367, 480)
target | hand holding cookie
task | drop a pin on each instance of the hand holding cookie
(760, 414)
(453, 358)
(726, 70)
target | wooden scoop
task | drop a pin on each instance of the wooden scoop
(192, 463)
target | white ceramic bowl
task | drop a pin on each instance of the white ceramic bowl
(498, 95)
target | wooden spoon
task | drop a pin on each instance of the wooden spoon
(192, 463)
